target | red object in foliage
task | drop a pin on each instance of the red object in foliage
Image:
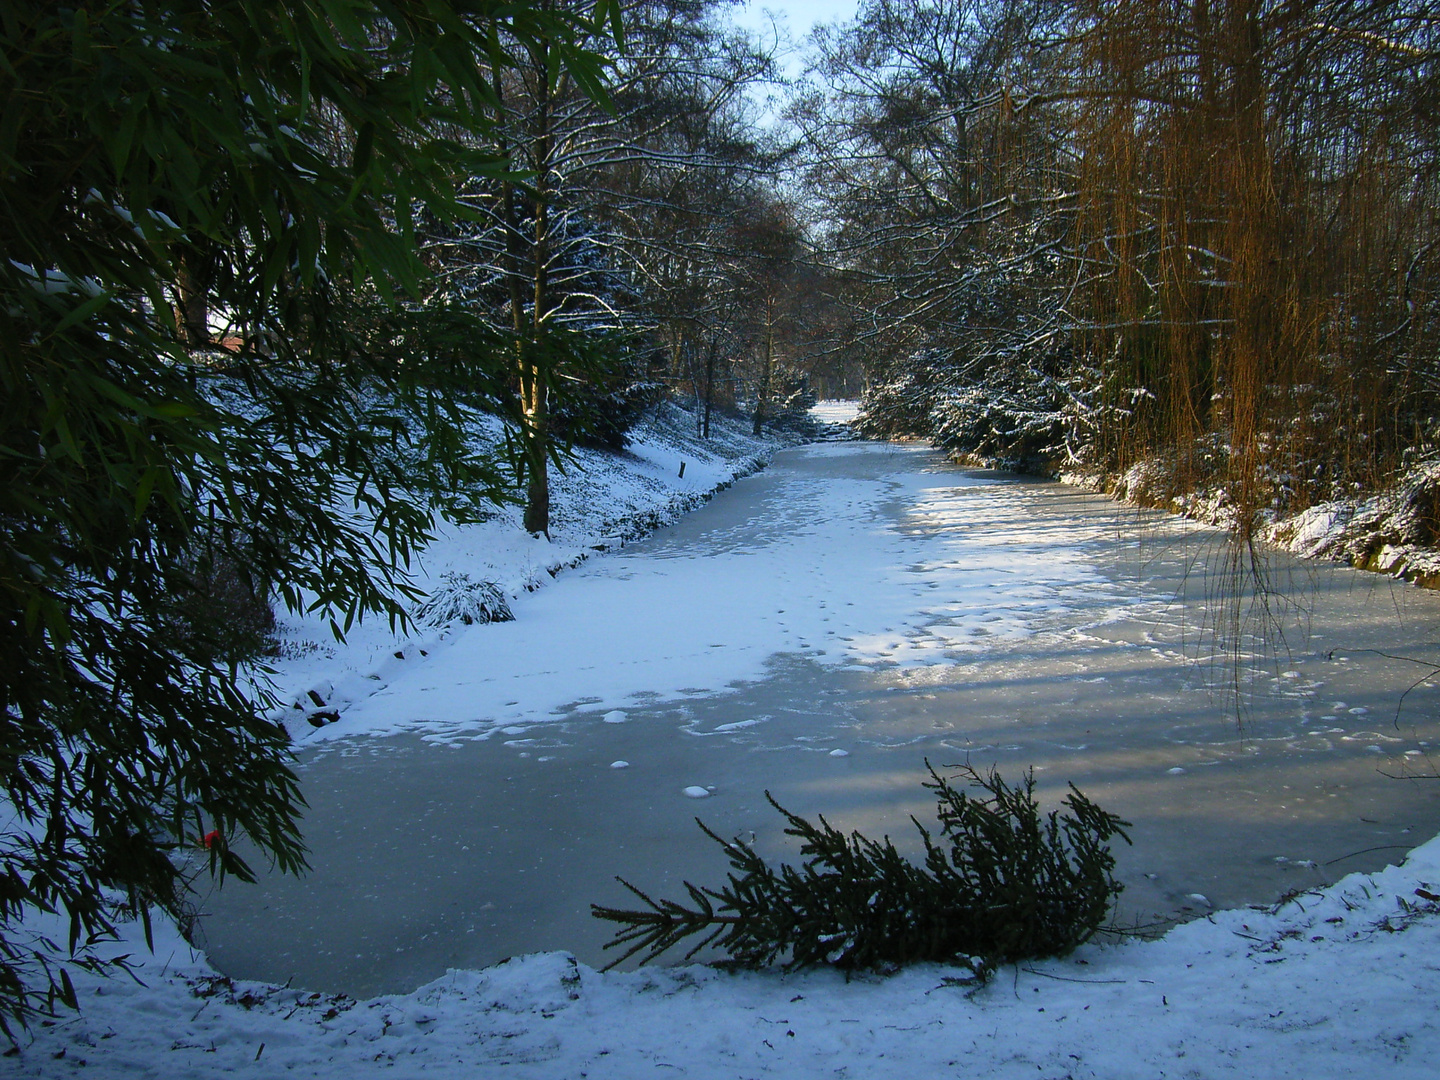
(210, 838)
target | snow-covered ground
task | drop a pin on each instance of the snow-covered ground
(598, 502)
(1337, 982)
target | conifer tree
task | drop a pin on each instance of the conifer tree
(1001, 883)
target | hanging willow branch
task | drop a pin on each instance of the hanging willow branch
(1002, 884)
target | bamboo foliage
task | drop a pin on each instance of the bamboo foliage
(158, 488)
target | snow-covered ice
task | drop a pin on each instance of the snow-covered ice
(599, 502)
(715, 616)
(836, 412)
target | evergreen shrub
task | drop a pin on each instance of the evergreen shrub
(1001, 883)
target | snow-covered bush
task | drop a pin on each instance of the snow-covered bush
(899, 400)
(789, 409)
(1012, 414)
(460, 599)
(606, 400)
(1006, 406)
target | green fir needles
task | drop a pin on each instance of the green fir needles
(1001, 883)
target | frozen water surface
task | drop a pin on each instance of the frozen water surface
(819, 632)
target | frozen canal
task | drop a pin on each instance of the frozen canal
(819, 631)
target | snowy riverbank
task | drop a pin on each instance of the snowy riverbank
(1391, 532)
(1336, 983)
(599, 502)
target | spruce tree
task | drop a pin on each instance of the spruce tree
(1000, 883)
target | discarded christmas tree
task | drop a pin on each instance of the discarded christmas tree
(999, 884)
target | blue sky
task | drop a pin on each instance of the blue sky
(799, 15)
(796, 16)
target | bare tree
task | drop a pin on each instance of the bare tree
(601, 223)
(939, 147)
(1194, 232)
(1259, 197)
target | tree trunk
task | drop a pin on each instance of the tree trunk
(712, 357)
(537, 401)
(762, 395)
(529, 322)
(192, 306)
